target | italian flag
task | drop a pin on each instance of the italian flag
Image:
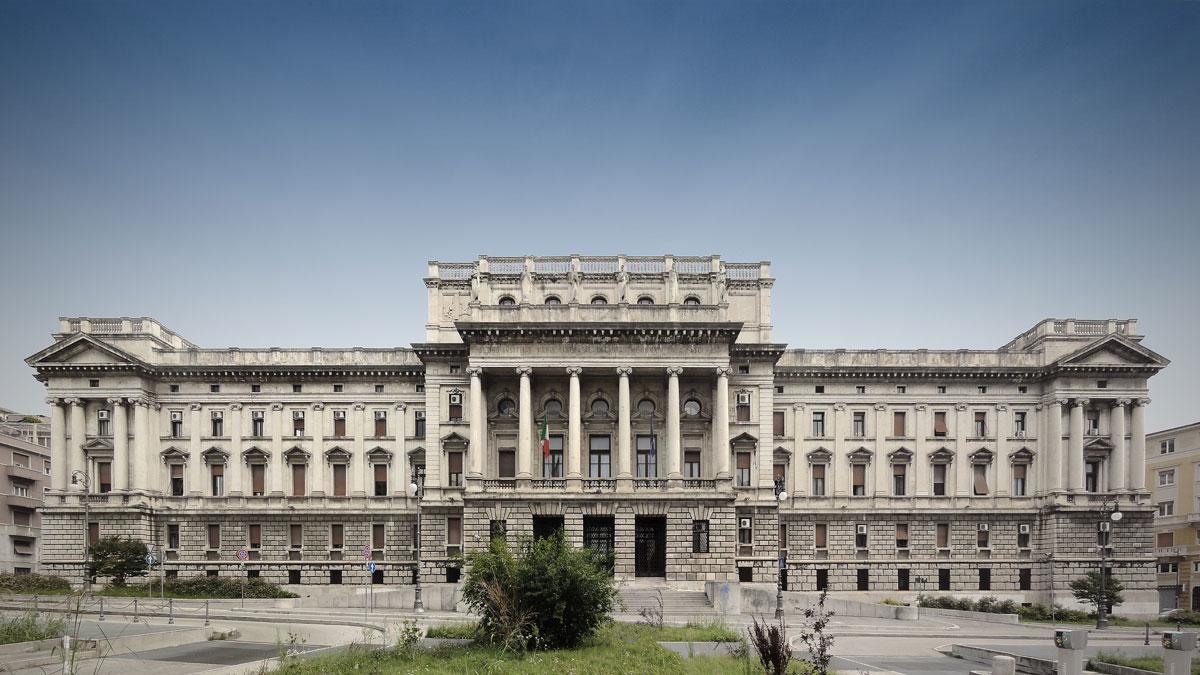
(544, 435)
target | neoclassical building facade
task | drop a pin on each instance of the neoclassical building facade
(638, 404)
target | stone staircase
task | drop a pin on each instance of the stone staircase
(676, 604)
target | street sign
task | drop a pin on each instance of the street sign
(243, 554)
(371, 567)
(150, 559)
(366, 551)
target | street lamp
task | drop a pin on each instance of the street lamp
(782, 496)
(416, 489)
(81, 478)
(1110, 513)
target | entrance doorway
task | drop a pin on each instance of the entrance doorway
(650, 546)
(599, 535)
(546, 526)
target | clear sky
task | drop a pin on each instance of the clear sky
(922, 174)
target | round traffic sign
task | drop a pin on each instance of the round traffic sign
(366, 551)
(150, 559)
(243, 554)
(371, 567)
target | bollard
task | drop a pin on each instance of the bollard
(205, 612)
(102, 608)
(1177, 652)
(171, 610)
(66, 642)
(1004, 665)
(1071, 645)
(1147, 642)
(135, 610)
(35, 605)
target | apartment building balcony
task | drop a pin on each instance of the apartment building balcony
(1170, 551)
(25, 473)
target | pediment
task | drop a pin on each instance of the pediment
(454, 441)
(255, 455)
(1099, 444)
(214, 455)
(81, 348)
(1114, 350)
(819, 456)
(97, 445)
(900, 456)
(336, 455)
(173, 454)
(296, 455)
(378, 455)
(743, 439)
(1021, 456)
(941, 456)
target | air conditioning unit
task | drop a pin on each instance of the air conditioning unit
(256, 414)
(861, 529)
(380, 414)
(455, 398)
(419, 414)
(102, 415)
(1023, 528)
(217, 414)
(176, 417)
(744, 523)
(1020, 433)
(297, 414)
(1105, 526)
(339, 414)
(743, 398)
(984, 527)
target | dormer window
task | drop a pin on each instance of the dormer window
(599, 300)
(508, 301)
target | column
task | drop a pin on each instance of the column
(1137, 445)
(75, 458)
(962, 464)
(766, 437)
(399, 478)
(525, 425)
(316, 468)
(673, 439)
(233, 468)
(721, 450)
(800, 468)
(355, 471)
(920, 465)
(574, 427)
(834, 484)
(477, 449)
(880, 462)
(120, 465)
(1118, 471)
(142, 461)
(59, 475)
(624, 451)
(278, 466)
(1075, 446)
(1001, 430)
(1052, 447)
(196, 475)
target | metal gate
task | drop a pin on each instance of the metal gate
(650, 546)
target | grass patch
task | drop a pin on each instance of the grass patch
(199, 588)
(34, 584)
(616, 649)
(29, 627)
(455, 631)
(1151, 663)
(711, 631)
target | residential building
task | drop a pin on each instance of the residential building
(26, 469)
(1172, 472)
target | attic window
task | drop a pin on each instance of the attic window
(744, 369)
(174, 389)
(379, 389)
(93, 383)
(337, 388)
(819, 389)
(1022, 389)
(214, 388)
(255, 388)
(296, 389)
(1102, 384)
(983, 389)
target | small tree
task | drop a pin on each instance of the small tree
(771, 644)
(117, 558)
(1090, 589)
(812, 634)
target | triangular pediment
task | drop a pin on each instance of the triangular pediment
(454, 441)
(1114, 350)
(81, 348)
(743, 439)
(98, 445)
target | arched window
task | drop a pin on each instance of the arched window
(506, 406)
(645, 300)
(646, 406)
(553, 300)
(600, 407)
(553, 407)
(599, 300)
(691, 300)
(691, 407)
(507, 301)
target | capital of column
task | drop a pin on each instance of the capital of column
(1080, 402)
(195, 406)
(799, 406)
(624, 371)
(73, 401)
(524, 371)
(318, 406)
(1001, 407)
(115, 401)
(1141, 402)
(881, 407)
(357, 406)
(574, 371)
(921, 407)
(1039, 406)
(156, 405)
(235, 406)
(960, 406)
(1121, 403)
(839, 407)
(474, 371)
(674, 371)
(279, 406)
(53, 401)
(401, 407)
(1059, 402)
(724, 371)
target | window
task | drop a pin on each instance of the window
(46, 466)
(93, 383)
(818, 424)
(1093, 422)
(297, 422)
(1022, 390)
(898, 424)
(420, 388)
(858, 480)
(379, 389)
(691, 300)
(255, 388)
(941, 389)
(258, 479)
(455, 468)
(1166, 509)
(1019, 473)
(339, 423)
(335, 577)
(104, 479)
(819, 389)
(778, 424)
(599, 457)
(214, 536)
(599, 300)
(744, 369)
(20, 460)
(553, 300)
(257, 423)
(983, 535)
(743, 406)
(295, 536)
(552, 463)
(103, 424)
(176, 423)
(335, 535)
(254, 533)
(296, 389)
(745, 531)
(1091, 476)
(699, 536)
(980, 424)
(647, 456)
(743, 469)
(507, 301)
(1019, 423)
(339, 480)
(453, 535)
(939, 424)
(943, 579)
(901, 535)
(860, 389)
(553, 408)
(174, 388)
(982, 389)
(939, 480)
(1166, 447)
(822, 580)
(864, 579)
(1024, 579)
(176, 480)
(901, 389)
(378, 538)
(783, 536)
(1023, 535)
(820, 535)
(218, 423)
(22, 489)
(859, 428)
(902, 580)
(22, 516)
(645, 300)
(217, 477)
(214, 388)
(298, 480)
(172, 536)
(455, 408)
(506, 463)
(943, 535)
(818, 480)
(419, 424)
(497, 529)
(381, 423)
(899, 479)
(860, 535)
(506, 406)
(381, 479)
(980, 482)
(691, 464)
(779, 477)
(1168, 568)
(985, 579)
(600, 407)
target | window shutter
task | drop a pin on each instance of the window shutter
(898, 469)
(258, 478)
(1019, 471)
(902, 531)
(743, 460)
(818, 471)
(214, 536)
(898, 424)
(453, 531)
(335, 536)
(860, 474)
(339, 480)
(296, 535)
(779, 472)
(507, 466)
(981, 486)
(939, 423)
(255, 536)
(377, 536)
(822, 531)
(297, 479)
(381, 473)
(176, 471)
(943, 535)
(218, 469)
(1165, 539)
(456, 462)
(778, 423)
(105, 473)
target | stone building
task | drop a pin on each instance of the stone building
(26, 468)
(1172, 470)
(638, 404)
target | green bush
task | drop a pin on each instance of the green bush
(552, 597)
(29, 627)
(460, 631)
(118, 558)
(32, 584)
(205, 587)
(1183, 616)
(991, 605)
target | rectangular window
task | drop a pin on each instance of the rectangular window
(822, 580)
(599, 457)
(214, 536)
(1166, 447)
(20, 489)
(1166, 509)
(783, 538)
(455, 469)
(691, 464)
(647, 457)
(176, 480)
(377, 536)
(506, 463)
(899, 479)
(858, 482)
(818, 424)
(985, 579)
(103, 423)
(1025, 579)
(339, 480)
(339, 423)
(1019, 471)
(743, 469)
(217, 475)
(497, 529)
(176, 424)
(943, 579)
(980, 424)
(981, 483)
(297, 422)
(380, 423)
(820, 535)
(819, 389)
(1165, 539)
(552, 464)
(1019, 423)
(255, 388)
(20, 460)
(172, 536)
(1093, 422)
(218, 423)
(743, 412)
(901, 535)
(859, 428)
(336, 531)
(298, 480)
(860, 535)
(864, 579)
(943, 535)
(295, 536)
(258, 479)
(1023, 535)
(941, 389)
(939, 423)
(1091, 477)
(778, 423)
(983, 536)
(419, 424)
(899, 426)
(94, 534)
(699, 536)
(453, 531)
(902, 580)
(818, 480)
(255, 536)
(901, 389)
(104, 479)
(982, 389)
(379, 389)
(23, 517)
(1168, 568)
(745, 531)
(257, 424)
(296, 388)
(860, 389)
(939, 480)
(779, 477)
(381, 479)
(1166, 477)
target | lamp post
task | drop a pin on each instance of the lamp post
(81, 478)
(780, 496)
(418, 606)
(1110, 513)
(1049, 559)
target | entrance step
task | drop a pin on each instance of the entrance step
(673, 601)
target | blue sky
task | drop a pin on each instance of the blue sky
(922, 174)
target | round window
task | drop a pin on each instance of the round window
(599, 407)
(553, 407)
(506, 406)
(691, 407)
(599, 300)
(691, 300)
(645, 300)
(646, 406)
(553, 300)
(507, 301)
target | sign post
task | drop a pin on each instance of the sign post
(366, 553)
(242, 556)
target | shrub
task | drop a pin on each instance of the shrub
(1098, 589)
(774, 652)
(553, 596)
(28, 627)
(459, 631)
(1184, 616)
(117, 558)
(213, 587)
(30, 584)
